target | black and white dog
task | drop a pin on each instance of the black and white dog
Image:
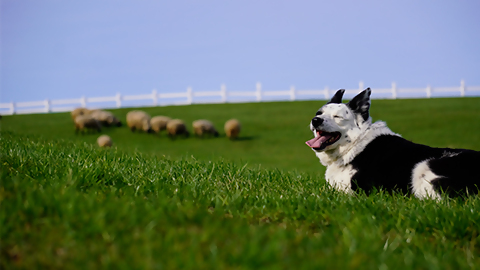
(360, 154)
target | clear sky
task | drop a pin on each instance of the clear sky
(66, 49)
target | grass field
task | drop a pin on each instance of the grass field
(274, 133)
(66, 204)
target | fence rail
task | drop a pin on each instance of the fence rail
(223, 96)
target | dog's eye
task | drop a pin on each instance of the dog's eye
(319, 113)
(337, 116)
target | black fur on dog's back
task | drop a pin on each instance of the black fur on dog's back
(387, 162)
(460, 173)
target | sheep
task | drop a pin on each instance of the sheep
(139, 120)
(79, 111)
(105, 118)
(104, 141)
(86, 122)
(177, 127)
(232, 128)
(159, 123)
(202, 126)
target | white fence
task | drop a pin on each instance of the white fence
(223, 96)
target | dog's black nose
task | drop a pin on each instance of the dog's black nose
(316, 122)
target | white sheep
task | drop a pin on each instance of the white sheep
(86, 122)
(105, 118)
(232, 128)
(202, 127)
(79, 111)
(177, 127)
(159, 123)
(139, 120)
(104, 141)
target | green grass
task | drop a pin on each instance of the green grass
(67, 205)
(148, 204)
(274, 133)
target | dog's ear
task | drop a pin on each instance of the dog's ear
(360, 104)
(337, 98)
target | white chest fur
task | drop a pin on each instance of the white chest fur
(339, 171)
(340, 177)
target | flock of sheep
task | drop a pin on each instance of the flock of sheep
(92, 120)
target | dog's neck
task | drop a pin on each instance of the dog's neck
(361, 137)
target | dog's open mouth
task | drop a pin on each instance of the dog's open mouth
(323, 140)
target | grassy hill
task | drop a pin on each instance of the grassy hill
(258, 202)
(274, 133)
(70, 205)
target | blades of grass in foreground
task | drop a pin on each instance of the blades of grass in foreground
(75, 206)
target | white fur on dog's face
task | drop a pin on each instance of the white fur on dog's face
(337, 117)
(344, 129)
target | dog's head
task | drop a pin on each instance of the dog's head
(337, 124)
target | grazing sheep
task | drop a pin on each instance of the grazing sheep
(86, 122)
(232, 128)
(177, 127)
(159, 123)
(105, 118)
(139, 120)
(79, 111)
(104, 141)
(202, 126)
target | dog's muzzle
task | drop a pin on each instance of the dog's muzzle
(322, 138)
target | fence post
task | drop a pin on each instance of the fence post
(223, 93)
(429, 91)
(292, 93)
(189, 95)
(360, 86)
(47, 105)
(462, 88)
(259, 92)
(118, 100)
(325, 92)
(12, 108)
(154, 97)
(394, 90)
(83, 102)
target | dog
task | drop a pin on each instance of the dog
(363, 155)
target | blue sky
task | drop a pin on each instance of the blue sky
(67, 49)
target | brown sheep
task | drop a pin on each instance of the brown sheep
(202, 127)
(86, 122)
(139, 120)
(232, 128)
(159, 123)
(79, 111)
(105, 118)
(177, 127)
(104, 141)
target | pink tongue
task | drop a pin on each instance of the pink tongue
(317, 141)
